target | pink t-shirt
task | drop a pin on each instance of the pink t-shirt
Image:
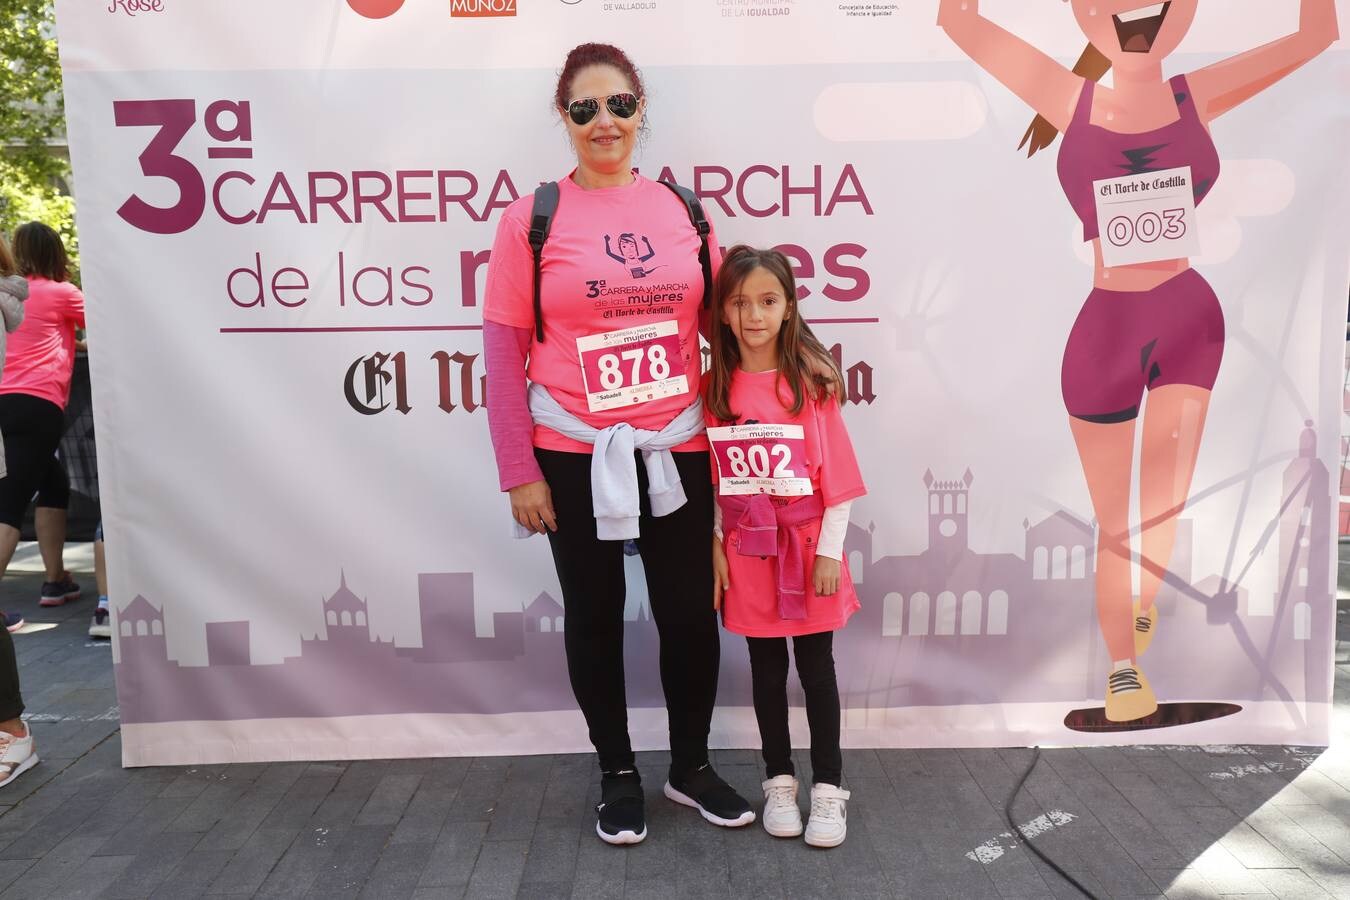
(822, 457)
(621, 289)
(41, 353)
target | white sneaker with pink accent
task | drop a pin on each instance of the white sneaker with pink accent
(16, 755)
(828, 824)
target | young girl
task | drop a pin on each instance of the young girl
(785, 476)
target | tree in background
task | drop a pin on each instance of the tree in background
(32, 122)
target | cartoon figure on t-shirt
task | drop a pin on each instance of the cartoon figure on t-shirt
(630, 255)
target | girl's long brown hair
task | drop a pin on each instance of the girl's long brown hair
(801, 355)
(6, 259)
(1092, 65)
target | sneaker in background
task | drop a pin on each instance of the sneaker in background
(55, 593)
(101, 625)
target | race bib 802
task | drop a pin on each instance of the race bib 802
(761, 459)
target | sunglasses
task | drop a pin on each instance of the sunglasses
(621, 106)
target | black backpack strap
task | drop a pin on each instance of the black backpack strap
(700, 223)
(541, 221)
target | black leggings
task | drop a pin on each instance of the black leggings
(31, 428)
(677, 559)
(815, 667)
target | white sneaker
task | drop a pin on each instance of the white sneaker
(828, 824)
(16, 755)
(782, 818)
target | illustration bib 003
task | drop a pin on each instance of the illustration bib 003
(761, 459)
(1147, 218)
(632, 365)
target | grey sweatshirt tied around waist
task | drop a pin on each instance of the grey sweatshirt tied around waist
(614, 479)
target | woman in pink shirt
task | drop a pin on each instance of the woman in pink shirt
(33, 393)
(614, 363)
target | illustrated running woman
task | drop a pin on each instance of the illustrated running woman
(1136, 159)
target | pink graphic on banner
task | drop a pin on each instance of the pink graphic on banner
(1029, 619)
(375, 9)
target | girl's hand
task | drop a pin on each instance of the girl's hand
(721, 572)
(825, 578)
(532, 507)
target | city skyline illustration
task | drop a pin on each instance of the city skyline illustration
(947, 624)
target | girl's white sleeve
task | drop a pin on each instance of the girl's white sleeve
(833, 528)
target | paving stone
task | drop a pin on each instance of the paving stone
(310, 855)
(146, 827)
(397, 871)
(498, 870)
(92, 878)
(351, 863)
(151, 867)
(516, 810)
(454, 855)
(1289, 884)
(552, 856)
(249, 867)
(193, 874)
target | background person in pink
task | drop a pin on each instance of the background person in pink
(1136, 160)
(616, 359)
(34, 390)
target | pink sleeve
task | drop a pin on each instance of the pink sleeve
(509, 293)
(73, 306)
(840, 478)
(509, 422)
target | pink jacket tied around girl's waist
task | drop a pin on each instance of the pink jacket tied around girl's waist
(769, 530)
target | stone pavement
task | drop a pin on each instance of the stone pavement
(1146, 822)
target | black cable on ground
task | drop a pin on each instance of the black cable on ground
(1017, 829)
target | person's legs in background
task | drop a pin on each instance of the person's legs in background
(50, 522)
(16, 741)
(101, 625)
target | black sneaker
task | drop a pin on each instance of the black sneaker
(55, 593)
(620, 814)
(710, 795)
(13, 621)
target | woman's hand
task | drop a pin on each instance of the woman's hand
(532, 507)
(825, 577)
(721, 572)
(822, 373)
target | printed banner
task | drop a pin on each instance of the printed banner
(286, 212)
